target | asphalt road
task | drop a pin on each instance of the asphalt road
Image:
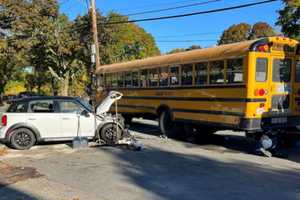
(166, 169)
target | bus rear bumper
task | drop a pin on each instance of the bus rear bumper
(266, 123)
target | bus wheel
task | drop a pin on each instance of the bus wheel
(167, 125)
(127, 119)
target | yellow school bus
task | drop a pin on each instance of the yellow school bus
(252, 86)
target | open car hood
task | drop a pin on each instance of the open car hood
(105, 105)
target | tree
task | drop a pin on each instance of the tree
(243, 31)
(10, 61)
(193, 47)
(22, 19)
(289, 19)
(178, 50)
(56, 51)
(235, 33)
(118, 42)
(261, 29)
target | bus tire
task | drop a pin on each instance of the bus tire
(167, 126)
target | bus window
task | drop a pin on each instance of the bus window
(144, 78)
(216, 72)
(282, 70)
(99, 80)
(108, 80)
(235, 70)
(128, 82)
(135, 79)
(121, 79)
(174, 75)
(298, 71)
(114, 80)
(153, 77)
(187, 74)
(261, 69)
(164, 76)
(201, 73)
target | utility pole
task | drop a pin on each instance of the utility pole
(95, 57)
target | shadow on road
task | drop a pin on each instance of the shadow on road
(175, 176)
(9, 193)
(233, 143)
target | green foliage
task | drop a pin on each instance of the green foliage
(289, 19)
(121, 42)
(177, 50)
(10, 61)
(235, 33)
(243, 31)
(59, 49)
(261, 29)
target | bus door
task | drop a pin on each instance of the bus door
(296, 86)
(279, 89)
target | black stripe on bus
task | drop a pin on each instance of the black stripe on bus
(211, 112)
(297, 98)
(209, 123)
(137, 107)
(180, 87)
(196, 99)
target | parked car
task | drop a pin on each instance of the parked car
(36, 119)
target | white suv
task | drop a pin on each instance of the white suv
(36, 119)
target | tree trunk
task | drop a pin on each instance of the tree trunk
(1, 94)
(64, 85)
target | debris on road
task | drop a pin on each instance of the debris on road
(10, 174)
(3, 151)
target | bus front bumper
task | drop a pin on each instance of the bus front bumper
(267, 123)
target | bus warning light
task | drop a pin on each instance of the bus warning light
(260, 92)
(263, 48)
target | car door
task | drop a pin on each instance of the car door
(73, 123)
(43, 116)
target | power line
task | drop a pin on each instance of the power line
(183, 15)
(188, 34)
(175, 41)
(172, 8)
(158, 5)
(192, 14)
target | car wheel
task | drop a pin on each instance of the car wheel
(111, 133)
(22, 139)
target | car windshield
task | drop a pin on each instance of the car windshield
(85, 104)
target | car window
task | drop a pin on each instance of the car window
(69, 107)
(41, 106)
(18, 107)
(85, 104)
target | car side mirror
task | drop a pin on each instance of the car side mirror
(85, 113)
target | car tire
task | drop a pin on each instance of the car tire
(110, 135)
(167, 126)
(22, 139)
